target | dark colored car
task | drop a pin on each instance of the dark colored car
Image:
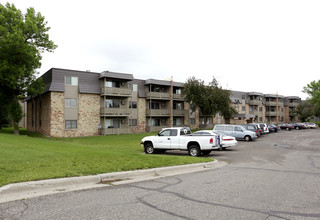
(273, 128)
(286, 127)
(298, 126)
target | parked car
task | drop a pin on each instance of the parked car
(297, 126)
(273, 128)
(236, 131)
(227, 141)
(312, 125)
(259, 128)
(264, 128)
(180, 138)
(286, 127)
(252, 127)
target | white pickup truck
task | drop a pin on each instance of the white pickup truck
(180, 138)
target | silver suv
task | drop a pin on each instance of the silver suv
(236, 131)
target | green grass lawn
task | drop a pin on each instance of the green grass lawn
(31, 156)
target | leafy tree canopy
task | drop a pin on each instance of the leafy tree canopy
(209, 99)
(22, 40)
(313, 90)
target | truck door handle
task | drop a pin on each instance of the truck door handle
(168, 138)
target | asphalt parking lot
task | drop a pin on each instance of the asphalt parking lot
(276, 176)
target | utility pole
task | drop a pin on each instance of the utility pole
(277, 109)
(171, 103)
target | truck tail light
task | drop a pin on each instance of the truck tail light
(211, 141)
(227, 139)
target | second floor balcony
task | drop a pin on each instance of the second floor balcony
(158, 112)
(158, 95)
(115, 112)
(113, 91)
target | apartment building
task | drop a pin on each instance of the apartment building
(79, 103)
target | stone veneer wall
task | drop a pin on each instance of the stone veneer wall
(88, 118)
(141, 122)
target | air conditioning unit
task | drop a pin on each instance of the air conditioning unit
(123, 121)
(123, 83)
(123, 102)
(163, 120)
(163, 104)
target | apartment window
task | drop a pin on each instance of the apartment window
(72, 80)
(192, 121)
(112, 123)
(155, 105)
(243, 97)
(71, 102)
(133, 122)
(154, 122)
(135, 87)
(71, 124)
(177, 91)
(112, 103)
(112, 84)
(177, 121)
(178, 105)
(244, 108)
(132, 104)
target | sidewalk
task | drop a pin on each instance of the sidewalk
(25, 190)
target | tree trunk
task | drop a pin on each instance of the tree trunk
(15, 128)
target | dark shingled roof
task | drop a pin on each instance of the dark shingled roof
(114, 75)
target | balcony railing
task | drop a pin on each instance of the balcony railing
(158, 112)
(111, 91)
(155, 128)
(255, 102)
(180, 112)
(107, 131)
(115, 111)
(158, 95)
(178, 97)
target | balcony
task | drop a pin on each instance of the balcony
(158, 95)
(178, 97)
(271, 113)
(158, 112)
(156, 128)
(108, 131)
(111, 91)
(180, 112)
(255, 102)
(115, 111)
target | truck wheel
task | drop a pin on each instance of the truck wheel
(194, 151)
(247, 138)
(148, 149)
(206, 152)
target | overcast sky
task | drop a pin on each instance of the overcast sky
(247, 45)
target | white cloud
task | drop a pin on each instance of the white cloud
(264, 46)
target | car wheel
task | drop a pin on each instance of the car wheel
(287, 129)
(206, 152)
(148, 149)
(247, 138)
(194, 151)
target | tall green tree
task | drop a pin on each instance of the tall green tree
(209, 99)
(313, 90)
(305, 110)
(23, 38)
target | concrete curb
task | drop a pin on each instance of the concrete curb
(25, 190)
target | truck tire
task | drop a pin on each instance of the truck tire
(206, 152)
(194, 151)
(148, 149)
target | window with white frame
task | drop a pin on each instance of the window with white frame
(71, 102)
(71, 124)
(72, 80)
